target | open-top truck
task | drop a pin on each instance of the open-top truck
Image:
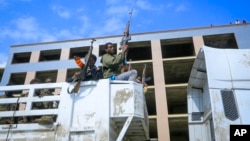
(218, 93)
(102, 110)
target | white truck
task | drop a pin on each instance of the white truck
(102, 110)
(218, 93)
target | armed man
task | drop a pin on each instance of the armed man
(8, 107)
(42, 105)
(92, 72)
(111, 64)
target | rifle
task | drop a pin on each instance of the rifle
(77, 80)
(126, 37)
(144, 78)
(130, 65)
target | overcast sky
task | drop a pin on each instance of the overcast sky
(35, 21)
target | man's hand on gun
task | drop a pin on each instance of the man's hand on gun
(125, 48)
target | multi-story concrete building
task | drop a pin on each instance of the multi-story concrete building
(169, 56)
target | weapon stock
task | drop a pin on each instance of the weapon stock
(143, 79)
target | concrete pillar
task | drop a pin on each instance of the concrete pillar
(61, 75)
(95, 49)
(65, 54)
(117, 47)
(160, 92)
(34, 57)
(198, 43)
(29, 76)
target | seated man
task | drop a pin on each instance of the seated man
(92, 72)
(41, 105)
(111, 64)
(9, 107)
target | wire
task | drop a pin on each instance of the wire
(12, 118)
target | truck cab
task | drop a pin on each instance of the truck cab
(218, 93)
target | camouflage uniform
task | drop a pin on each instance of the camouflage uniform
(43, 105)
(7, 107)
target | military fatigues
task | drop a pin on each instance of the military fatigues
(93, 73)
(7, 107)
(111, 64)
(43, 105)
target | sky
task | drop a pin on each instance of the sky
(36, 21)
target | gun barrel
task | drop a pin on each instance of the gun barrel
(126, 37)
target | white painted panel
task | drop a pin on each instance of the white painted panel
(243, 101)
